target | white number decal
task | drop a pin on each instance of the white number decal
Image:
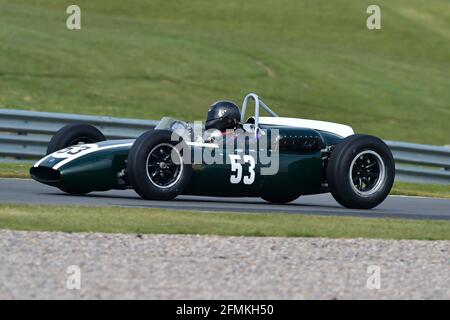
(236, 166)
(251, 169)
(72, 151)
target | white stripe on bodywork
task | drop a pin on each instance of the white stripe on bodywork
(83, 153)
(336, 128)
(42, 160)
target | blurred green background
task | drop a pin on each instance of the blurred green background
(310, 58)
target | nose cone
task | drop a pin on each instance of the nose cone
(45, 175)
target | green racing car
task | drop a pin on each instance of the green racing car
(230, 155)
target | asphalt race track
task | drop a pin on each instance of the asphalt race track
(20, 191)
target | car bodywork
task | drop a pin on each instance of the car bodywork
(304, 147)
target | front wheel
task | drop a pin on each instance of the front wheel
(361, 172)
(155, 166)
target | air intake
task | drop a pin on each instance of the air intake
(44, 174)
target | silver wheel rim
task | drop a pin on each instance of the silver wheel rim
(367, 173)
(153, 163)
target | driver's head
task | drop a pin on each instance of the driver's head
(223, 115)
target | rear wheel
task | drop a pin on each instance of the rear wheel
(74, 134)
(155, 166)
(361, 172)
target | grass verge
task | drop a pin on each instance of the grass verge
(422, 190)
(14, 170)
(137, 220)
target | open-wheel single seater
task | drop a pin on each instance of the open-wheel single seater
(313, 157)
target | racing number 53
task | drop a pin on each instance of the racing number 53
(71, 151)
(236, 167)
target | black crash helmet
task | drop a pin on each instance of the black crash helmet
(223, 115)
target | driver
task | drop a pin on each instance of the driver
(222, 115)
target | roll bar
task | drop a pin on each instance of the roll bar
(258, 102)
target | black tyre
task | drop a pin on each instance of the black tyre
(73, 134)
(360, 172)
(152, 170)
(280, 199)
